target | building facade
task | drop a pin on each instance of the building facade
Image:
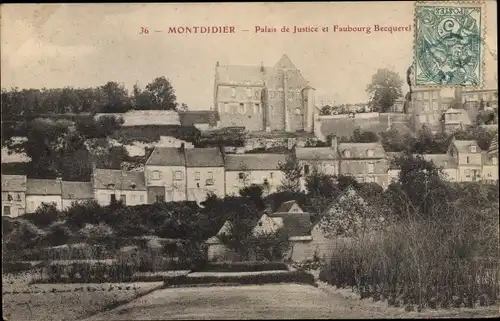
(165, 172)
(426, 108)
(112, 185)
(204, 172)
(43, 191)
(262, 98)
(469, 158)
(13, 195)
(76, 192)
(246, 169)
(455, 120)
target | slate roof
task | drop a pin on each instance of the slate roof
(14, 183)
(204, 157)
(166, 156)
(77, 190)
(319, 153)
(441, 160)
(464, 145)
(190, 118)
(359, 150)
(296, 224)
(43, 187)
(240, 74)
(122, 180)
(238, 162)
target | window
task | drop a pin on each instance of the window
(160, 198)
(369, 153)
(71, 195)
(306, 169)
(141, 198)
(435, 105)
(6, 210)
(347, 153)
(112, 198)
(445, 164)
(435, 94)
(494, 160)
(249, 92)
(209, 182)
(290, 94)
(132, 197)
(256, 108)
(467, 159)
(178, 176)
(473, 149)
(371, 167)
(467, 173)
(361, 179)
(196, 176)
(9, 197)
(297, 111)
(241, 109)
(271, 175)
(226, 107)
(123, 199)
(233, 92)
(241, 175)
(155, 175)
(210, 175)
(18, 197)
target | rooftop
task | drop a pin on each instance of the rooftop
(204, 157)
(238, 162)
(361, 150)
(77, 190)
(166, 156)
(43, 187)
(316, 153)
(121, 180)
(14, 183)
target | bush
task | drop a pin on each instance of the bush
(45, 215)
(249, 266)
(276, 277)
(15, 267)
(88, 272)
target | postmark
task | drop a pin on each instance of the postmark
(448, 48)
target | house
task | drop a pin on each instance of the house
(468, 155)
(204, 173)
(447, 163)
(165, 172)
(323, 159)
(490, 162)
(112, 185)
(455, 119)
(43, 191)
(262, 98)
(247, 169)
(367, 162)
(398, 106)
(201, 119)
(76, 192)
(13, 195)
(289, 216)
(426, 108)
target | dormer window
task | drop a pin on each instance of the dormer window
(472, 148)
(155, 175)
(347, 153)
(370, 153)
(111, 186)
(133, 185)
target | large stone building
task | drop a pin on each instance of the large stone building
(262, 98)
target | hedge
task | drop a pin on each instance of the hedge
(249, 266)
(281, 277)
(15, 267)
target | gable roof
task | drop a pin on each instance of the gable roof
(43, 187)
(77, 190)
(285, 207)
(463, 145)
(240, 74)
(190, 118)
(166, 156)
(122, 180)
(296, 224)
(359, 150)
(14, 183)
(239, 162)
(316, 153)
(204, 157)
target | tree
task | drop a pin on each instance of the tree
(384, 89)
(254, 192)
(326, 110)
(359, 136)
(292, 170)
(116, 98)
(162, 94)
(271, 245)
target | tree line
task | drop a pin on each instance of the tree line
(112, 97)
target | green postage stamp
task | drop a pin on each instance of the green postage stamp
(448, 48)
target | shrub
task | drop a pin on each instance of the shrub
(45, 215)
(88, 272)
(248, 266)
(15, 267)
(276, 277)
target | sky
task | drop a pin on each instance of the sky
(86, 45)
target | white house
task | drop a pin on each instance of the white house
(112, 185)
(205, 173)
(76, 192)
(40, 191)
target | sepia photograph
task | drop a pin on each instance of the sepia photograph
(264, 160)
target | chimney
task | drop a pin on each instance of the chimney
(334, 143)
(217, 64)
(262, 66)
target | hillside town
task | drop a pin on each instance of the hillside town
(275, 107)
